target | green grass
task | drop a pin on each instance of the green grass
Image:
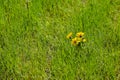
(33, 44)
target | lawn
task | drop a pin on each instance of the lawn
(33, 43)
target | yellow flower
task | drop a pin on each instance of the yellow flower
(80, 34)
(84, 40)
(69, 35)
(75, 41)
(79, 39)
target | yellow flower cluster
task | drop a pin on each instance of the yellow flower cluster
(78, 39)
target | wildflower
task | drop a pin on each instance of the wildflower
(79, 34)
(84, 40)
(79, 39)
(69, 35)
(75, 41)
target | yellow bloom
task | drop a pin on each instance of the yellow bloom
(75, 41)
(84, 40)
(69, 35)
(79, 34)
(79, 39)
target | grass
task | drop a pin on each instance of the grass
(33, 44)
